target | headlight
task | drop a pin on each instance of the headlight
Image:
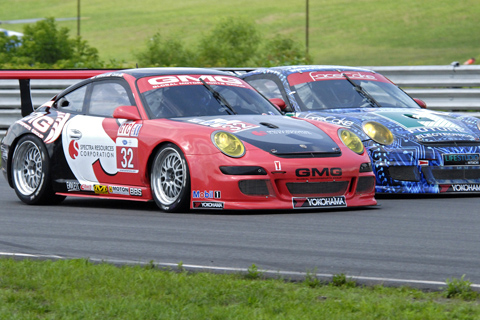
(351, 140)
(228, 143)
(378, 132)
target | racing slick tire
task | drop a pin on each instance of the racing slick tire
(31, 172)
(170, 179)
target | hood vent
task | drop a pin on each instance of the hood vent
(269, 125)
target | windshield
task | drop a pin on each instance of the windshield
(204, 98)
(340, 93)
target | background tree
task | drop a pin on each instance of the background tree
(281, 51)
(231, 43)
(169, 52)
(45, 46)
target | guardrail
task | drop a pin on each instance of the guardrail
(447, 88)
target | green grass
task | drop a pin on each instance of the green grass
(78, 289)
(350, 32)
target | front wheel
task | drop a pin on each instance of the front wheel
(170, 179)
(31, 172)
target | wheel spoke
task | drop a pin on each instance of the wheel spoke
(27, 168)
(168, 176)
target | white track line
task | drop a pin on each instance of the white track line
(273, 273)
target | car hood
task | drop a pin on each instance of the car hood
(418, 125)
(279, 135)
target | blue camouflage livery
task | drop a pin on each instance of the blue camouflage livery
(426, 151)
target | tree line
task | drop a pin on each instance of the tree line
(230, 43)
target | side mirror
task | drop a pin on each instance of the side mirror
(63, 102)
(421, 103)
(279, 103)
(126, 112)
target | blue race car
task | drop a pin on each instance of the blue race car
(413, 150)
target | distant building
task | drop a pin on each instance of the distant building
(9, 33)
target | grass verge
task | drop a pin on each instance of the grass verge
(79, 289)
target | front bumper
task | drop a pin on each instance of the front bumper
(262, 181)
(423, 170)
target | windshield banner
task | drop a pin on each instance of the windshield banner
(298, 78)
(146, 84)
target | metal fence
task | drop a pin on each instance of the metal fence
(446, 88)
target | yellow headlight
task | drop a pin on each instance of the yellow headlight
(351, 140)
(378, 132)
(228, 144)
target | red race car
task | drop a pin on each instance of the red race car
(183, 137)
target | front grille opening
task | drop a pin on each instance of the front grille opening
(365, 185)
(317, 188)
(404, 173)
(254, 187)
(456, 174)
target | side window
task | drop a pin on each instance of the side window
(73, 101)
(106, 97)
(266, 87)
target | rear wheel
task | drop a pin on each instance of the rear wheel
(170, 179)
(31, 172)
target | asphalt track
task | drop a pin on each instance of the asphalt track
(403, 241)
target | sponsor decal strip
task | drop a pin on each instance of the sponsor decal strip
(207, 194)
(319, 202)
(39, 124)
(463, 188)
(183, 80)
(298, 78)
(461, 159)
(208, 205)
(224, 124)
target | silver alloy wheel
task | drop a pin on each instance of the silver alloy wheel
(168, 176)
(27, 168)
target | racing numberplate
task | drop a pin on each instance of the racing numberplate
(461, 159)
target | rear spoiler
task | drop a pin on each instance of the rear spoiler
(24, 77)
(236, 71)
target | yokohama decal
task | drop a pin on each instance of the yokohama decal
(319, 202)
(208, 205)
(461, 188)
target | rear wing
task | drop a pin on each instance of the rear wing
(24, 77)
(236, 71)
